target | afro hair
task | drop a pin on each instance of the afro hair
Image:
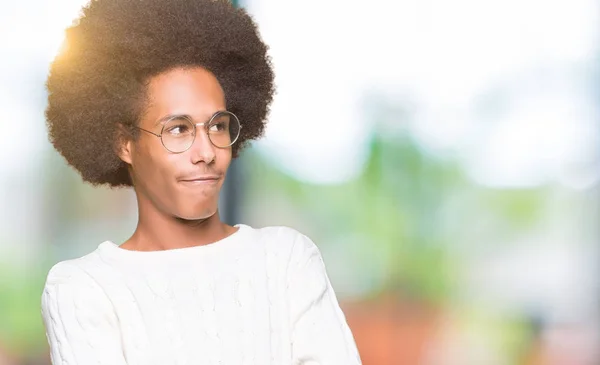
(98, 81)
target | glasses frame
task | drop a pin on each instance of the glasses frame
(203, 124)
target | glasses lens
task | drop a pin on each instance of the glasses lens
(224, 129)
(178, 134)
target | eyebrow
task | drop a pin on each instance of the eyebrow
(171, 116)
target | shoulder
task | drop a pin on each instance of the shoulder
(281, 233)
(287, 243)
(72, 271)
(69, 285)
(282, 237)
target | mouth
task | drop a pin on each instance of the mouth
(200, 180)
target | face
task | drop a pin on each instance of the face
(184, 185)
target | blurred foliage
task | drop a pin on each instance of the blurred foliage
(411, 208)
(21, 327)
(406, 225)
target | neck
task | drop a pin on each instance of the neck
(159, 231)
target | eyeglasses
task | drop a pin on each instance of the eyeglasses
(179, 132)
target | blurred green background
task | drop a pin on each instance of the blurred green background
(444, 156)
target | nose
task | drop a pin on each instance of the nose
(202, 150)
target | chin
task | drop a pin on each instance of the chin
(197, 214)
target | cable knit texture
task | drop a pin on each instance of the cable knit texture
(259, 296)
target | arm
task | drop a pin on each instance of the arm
(320, 333)
(80, 322)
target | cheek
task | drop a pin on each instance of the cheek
(153, 170)
(223, 159)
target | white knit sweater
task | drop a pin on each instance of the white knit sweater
(259, 296)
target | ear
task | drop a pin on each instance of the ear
(124, 144)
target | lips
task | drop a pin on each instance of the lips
(200, 180)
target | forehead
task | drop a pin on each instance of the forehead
(191, 91)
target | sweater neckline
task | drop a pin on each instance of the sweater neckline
(112, 249)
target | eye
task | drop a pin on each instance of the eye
(177, 127)
(221, 124)
(218, 127)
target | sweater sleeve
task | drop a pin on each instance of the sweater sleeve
(320, 333)
(81, 325)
